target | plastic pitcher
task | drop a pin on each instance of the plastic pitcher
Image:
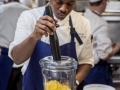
(58, 75)
(98, 87)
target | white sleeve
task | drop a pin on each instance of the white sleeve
(23, 30)
(103, 42)
(96, 58)
(1, 17)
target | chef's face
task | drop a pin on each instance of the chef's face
(62, 8)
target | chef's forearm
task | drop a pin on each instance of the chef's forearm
(115, 49)
(23, 51)
(82, 72)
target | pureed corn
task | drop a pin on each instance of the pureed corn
(55, 85)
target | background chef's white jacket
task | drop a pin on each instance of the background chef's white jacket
(1, 2)
(101, 35)
(26, 25)
(8, 24)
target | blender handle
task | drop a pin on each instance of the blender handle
(54, 42)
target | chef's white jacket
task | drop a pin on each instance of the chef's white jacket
(26, 25)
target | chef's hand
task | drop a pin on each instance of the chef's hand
(75, 88)
(117, 45)
(44, 26)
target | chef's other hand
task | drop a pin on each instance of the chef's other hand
(44, 26)
(117, 45)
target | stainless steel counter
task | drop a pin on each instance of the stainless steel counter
(115, 59)
(115, 64)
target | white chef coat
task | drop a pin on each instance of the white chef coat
(101, 35)
(9, 14)
(1, 3)
(26, 25)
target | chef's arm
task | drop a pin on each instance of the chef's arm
(82, 72)
(115, 49)
(23, 51)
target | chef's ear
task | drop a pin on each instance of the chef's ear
(104, 1)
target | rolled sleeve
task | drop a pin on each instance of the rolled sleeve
(23, 30)
(11, 48)
(86, 55)
(103, 42)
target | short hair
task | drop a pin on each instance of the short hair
(96, 3)
(13, 0)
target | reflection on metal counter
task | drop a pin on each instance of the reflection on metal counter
(115, 67)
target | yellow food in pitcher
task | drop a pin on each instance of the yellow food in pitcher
(55, 85)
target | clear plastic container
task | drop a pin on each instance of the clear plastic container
(58, 75)
(98, 87)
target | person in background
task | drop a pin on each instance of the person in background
(103, 48)
(10, 74)
(2, 2)
(31, 42)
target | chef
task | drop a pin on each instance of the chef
(31, 42)
(103, 48)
